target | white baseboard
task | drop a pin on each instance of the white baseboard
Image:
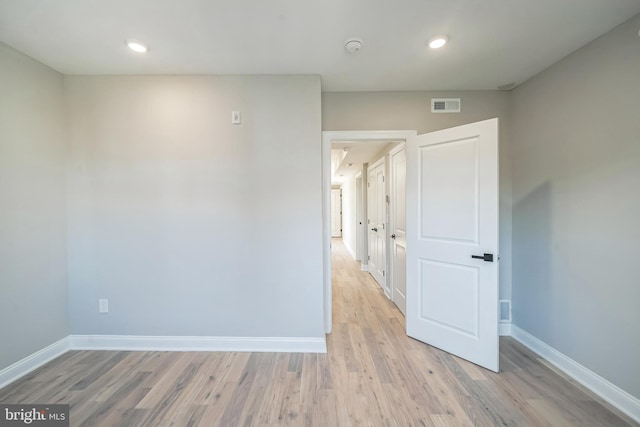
(159, 343)
(33, 361)
(348, 248)
(613, 394)
(504, 329)
(186, 343)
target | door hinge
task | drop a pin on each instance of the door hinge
(383, 272)
(368, 258)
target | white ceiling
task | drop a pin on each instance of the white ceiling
(359, 152)
(492, 42)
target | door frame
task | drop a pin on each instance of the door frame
(327, 138)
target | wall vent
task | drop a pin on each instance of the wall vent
(445, 105)
(505, 311)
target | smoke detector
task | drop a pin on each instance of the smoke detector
(352, 46)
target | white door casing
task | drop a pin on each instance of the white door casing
(336, 212)
(452, 215)
(376, 222)
(397, 227)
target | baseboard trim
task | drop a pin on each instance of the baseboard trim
(611, 393)
(504, 329)
(187, 343)
(348, 248)
(33, 361)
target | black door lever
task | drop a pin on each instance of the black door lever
(485, 257)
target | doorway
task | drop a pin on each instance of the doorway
(451, 237)
(328, 137)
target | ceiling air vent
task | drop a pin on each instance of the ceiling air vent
(445, 105)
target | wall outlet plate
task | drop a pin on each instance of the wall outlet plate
(103, 305)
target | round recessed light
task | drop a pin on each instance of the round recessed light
(136, 46)
(438, 42)
(353, 45)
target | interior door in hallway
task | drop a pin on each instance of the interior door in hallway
(397, 227)
(452, 241)
(376, 219)
(336, 212)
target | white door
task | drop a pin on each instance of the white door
(452, 241)
(336, 212)
(359, 219)
(397, 227)
(376, 222)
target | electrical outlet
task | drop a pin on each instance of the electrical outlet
(236, 117)
(103, 305)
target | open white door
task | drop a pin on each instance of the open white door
(452, 241)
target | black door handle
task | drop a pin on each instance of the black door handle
(374, 229)
(393, 236)
(485, 257)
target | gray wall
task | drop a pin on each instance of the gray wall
(576, 214)
(33, 244)
(188, 224)
(412, 111)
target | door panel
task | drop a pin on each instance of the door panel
(398, 241)
(450, 211)
(452, 215)
(336, 212)
(376, 223)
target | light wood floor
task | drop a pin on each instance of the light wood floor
(373, 375)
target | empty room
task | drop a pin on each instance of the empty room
(337, 213)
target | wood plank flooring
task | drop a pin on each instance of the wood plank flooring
(372, 375)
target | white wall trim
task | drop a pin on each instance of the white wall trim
(159, 343)
(613, 394)
(364, 267)
(196, 343)
(504, 329)
(327, 137)
(24, 366)
(351, 251)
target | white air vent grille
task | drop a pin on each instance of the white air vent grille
(445, 105)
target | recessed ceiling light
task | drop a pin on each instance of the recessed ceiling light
(438, 42)
(137, 46)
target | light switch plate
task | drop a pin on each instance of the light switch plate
(236, 117)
